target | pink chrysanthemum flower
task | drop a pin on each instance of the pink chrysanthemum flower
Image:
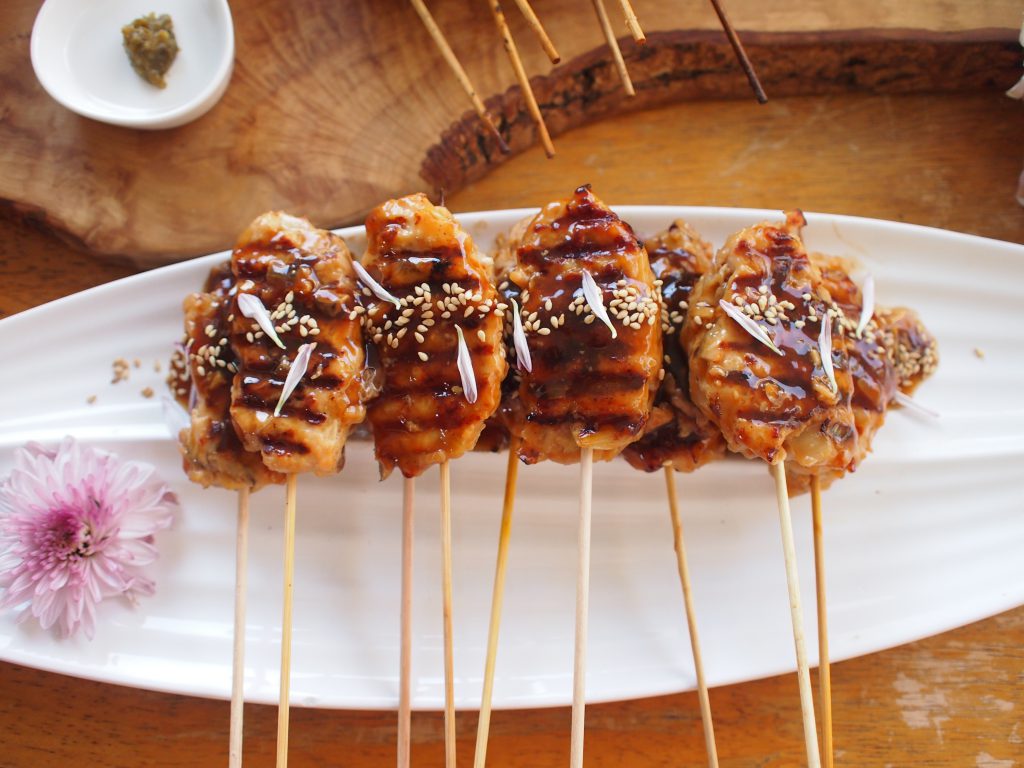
(76, 526)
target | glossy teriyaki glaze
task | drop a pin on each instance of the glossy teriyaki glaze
(304, 278)
(589, 386)
(677, 434)
(770, 406)
(423, 414)
(201, 375)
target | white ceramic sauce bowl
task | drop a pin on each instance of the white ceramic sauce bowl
(79, 58)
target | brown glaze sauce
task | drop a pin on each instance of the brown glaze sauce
(426, 262)
(874, 379)
(793, 372)
(278, 269)
(577, 359)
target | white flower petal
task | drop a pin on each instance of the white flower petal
(748, 325)
(825, 349)
(295, 374)
(911, 404)
(466, 373)
(250, 306)
(376, 288)
(523, 358)
(867, 311)
(595, 300)
(175, 416)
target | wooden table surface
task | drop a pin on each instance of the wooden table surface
(952, 700)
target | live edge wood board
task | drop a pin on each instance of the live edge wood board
(335, 106)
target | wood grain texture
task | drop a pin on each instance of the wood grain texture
(333, 106)
(954, 700)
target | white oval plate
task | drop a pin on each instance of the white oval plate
(926, 536)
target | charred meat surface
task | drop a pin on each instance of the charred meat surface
(590, 386)
(422, 257)
(771, 405)
(201, 380)
(678, 435)
(304, 278)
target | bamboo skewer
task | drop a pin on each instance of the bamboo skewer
(741, 54)
(691, 619)
(579, 672)
(238, 653)
(796, 613)
(613, 43)
(632, 23)
(460, 74)
(286, 624)
(538, 28)
(497, 598)
(524, 81)
(405, 652)
(824, 672)
(446, 586)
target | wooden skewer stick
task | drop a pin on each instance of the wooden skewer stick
(286, 624)
(691, 619)
(632, 23)
(538, 28)
(613, 43)
(524, 81)
(824, 673)
(579, 671)
(741, 54)
(446, 586)
(796, 613)
(238, 654)
(460, 74)
(484, 724)
(405, 652)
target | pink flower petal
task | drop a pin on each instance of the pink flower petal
(76, 524)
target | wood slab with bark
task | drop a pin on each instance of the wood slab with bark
(335, 106)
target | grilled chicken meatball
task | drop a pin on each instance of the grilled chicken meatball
(212, 453)
(911, 347)
(770, 406)
(420, 255)
(304, 278)
(588, 387)
(678, 435)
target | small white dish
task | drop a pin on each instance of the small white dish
(79, 58)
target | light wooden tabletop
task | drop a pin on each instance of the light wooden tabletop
(952, 700)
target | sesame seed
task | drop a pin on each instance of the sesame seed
(544, 331)
(423, 356)
(481, 335)
(469, 311)
(419, 337)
